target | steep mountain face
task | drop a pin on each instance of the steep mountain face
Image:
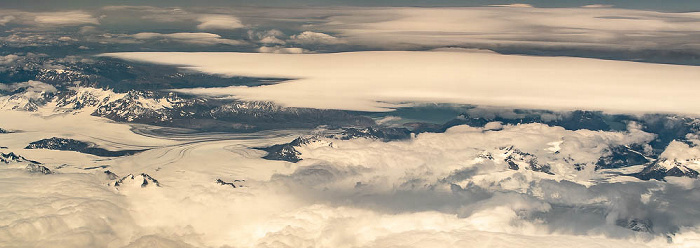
(60, 76)
(136, 106)
(32, 166)
(517, 159)
(11, 157)
(143, 180)
(679, 159)
(664, 167)
(624, 156)
(288, 151)
(77, 99)
(26, 96)
(169, 109)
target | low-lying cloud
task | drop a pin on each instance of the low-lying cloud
(48, 19)
(315, 38)
(433, 190)
(190, 38)
(65, 18)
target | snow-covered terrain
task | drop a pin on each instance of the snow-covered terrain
(434, 189)
(81, 169)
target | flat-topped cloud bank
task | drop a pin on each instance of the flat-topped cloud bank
(372, 81)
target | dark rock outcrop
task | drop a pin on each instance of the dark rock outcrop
(11, 157)
(63, 144)
(516, 159)
(144, 178)
(623, 156)
(39, 169)
(664, 167)
(637, 225)
(232, 184)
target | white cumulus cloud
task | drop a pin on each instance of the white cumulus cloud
(314, 38)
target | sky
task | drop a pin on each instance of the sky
(676, 5)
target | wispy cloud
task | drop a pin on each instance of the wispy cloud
(6, 19)
(190, 38)
(590, 27)
(65, 18)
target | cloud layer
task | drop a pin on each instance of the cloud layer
(589, 31)
(190, 38)
(600, 28)
(65, 18)
(368, 80)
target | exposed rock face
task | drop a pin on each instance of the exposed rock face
(168, 109)
(663, 168)
(681, 158)
(63, 144)
(140, 106)
(517, 159)
(143, 179)
(232, 184)
(40, 169)
(637, 225)
(380, 133)
(11, 157)
(285, 152)
(623, 156)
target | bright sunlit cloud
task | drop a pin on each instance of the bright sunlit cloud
(367, 80)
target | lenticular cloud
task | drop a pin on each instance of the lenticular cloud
(368, 80)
